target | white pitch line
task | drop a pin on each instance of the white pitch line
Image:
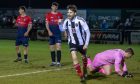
(28, 73)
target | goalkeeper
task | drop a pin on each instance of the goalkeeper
(104, 60)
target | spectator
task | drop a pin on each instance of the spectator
(104, 25)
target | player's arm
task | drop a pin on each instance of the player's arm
(89, 64)
(118, 61)
(124, 66)
(61, 19)
(15, 22)
(64, 27)
(29, 27)
(125, 71)
(117, 67)
(86, 28)
(48, 29)
(47, 26)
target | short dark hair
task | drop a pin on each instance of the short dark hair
(72, 8)
(130, 50)
(23, 8)
(55, 3)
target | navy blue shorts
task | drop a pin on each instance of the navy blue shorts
(78, 48)
(54, 39)
(22, 41)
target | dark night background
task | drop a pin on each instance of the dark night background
(64, 3)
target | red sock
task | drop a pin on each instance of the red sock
(78, 70)
(84, 59)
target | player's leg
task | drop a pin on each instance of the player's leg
(76, 64)
(93, 66)
(52, 50)
(106, 69)
(84, 59)
(25, 44)
(89, 65)
(26, 54)
(58, 49)
(18, 43)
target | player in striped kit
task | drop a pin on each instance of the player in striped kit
(77, 31)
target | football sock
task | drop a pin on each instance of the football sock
(58, 56)
(84, 59)
(53, 56)
(19, 55)
(25, 56)
(78, 70)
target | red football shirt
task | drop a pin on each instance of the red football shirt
(23, 21)
(52, 19)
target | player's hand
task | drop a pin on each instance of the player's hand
(65, 35)
(127, 75)
(26, 34)
(84, 47)
(59, 21)
(50, 33)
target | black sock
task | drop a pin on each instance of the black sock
(19, 55)
(25, 56)
(53, 56)
(58, 56)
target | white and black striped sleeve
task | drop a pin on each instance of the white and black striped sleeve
(86, 29)
(64, 24)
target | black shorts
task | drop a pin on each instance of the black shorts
(78, 48)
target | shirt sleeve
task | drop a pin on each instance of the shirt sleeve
(17, 20)
(124, 66)
(64, 26)
(118, 60)
(47, 17)
(61, 16)
(86, 28)
(29, 20)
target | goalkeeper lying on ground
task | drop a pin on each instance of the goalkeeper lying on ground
(103, 61)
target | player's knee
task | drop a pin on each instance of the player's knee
(52, 48)
(90, 69)
(17, 47)
(107, 73)
(26, 48)
(58, 48)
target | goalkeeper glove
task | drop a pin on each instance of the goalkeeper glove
(127, 75)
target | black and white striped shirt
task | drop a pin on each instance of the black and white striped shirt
(77, 31)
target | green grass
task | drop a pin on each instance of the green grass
(39, 56)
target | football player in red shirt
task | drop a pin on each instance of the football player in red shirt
(53, 21)
(24, 24)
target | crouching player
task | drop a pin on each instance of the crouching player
(103, 61)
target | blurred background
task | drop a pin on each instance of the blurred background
(110, 21)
